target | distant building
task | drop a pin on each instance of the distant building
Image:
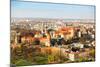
(67, 32)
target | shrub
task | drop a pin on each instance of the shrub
(92, 53)
(50, 58)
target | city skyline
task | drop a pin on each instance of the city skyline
(22, 9)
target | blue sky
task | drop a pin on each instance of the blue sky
(48, 10)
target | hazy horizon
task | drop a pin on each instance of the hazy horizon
(24, 9)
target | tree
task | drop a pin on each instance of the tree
(36, 42)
